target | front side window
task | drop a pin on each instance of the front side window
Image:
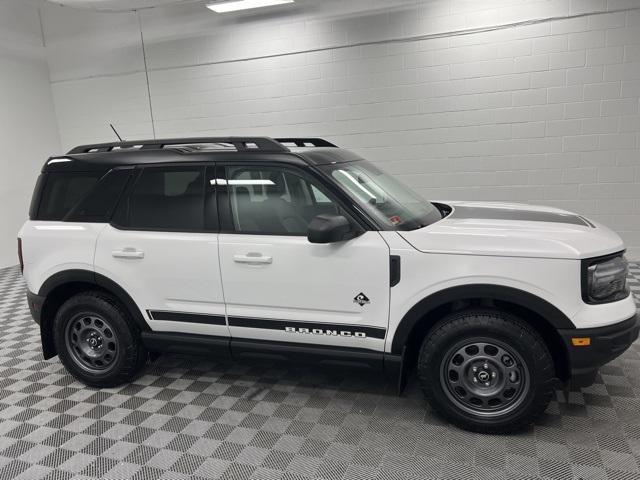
(393, 204)
(165, 198)
(275, 200)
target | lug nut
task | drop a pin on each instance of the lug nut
(507, 360)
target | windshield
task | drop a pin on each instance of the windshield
(391, 203)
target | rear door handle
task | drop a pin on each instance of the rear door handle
(127, 253)
(253, 259)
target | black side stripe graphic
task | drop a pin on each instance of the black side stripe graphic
(187, 317)
(372, 332)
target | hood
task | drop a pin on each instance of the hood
(517, 230)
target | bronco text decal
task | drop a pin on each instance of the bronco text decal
(320, 331)
(310, 328)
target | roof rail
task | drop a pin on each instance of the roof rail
(306, 142)
(242, 144)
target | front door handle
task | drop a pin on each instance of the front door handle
(253, 258)
(127, 253)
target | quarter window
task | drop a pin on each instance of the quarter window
(63, 191)
(273, 200)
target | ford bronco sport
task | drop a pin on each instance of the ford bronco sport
(297, 249)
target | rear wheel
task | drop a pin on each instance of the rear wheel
(96, 342)
(486, 371)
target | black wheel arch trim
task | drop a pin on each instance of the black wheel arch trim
(65, 276)
(87, 276)
(527, 300)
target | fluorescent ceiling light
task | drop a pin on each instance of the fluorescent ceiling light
(235, 5)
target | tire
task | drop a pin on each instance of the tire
(514, 374)
(96, 341)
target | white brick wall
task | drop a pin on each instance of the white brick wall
(545, 113)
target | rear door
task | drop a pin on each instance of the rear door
(280, 287)
(162, 248)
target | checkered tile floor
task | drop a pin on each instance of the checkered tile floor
(186, 418)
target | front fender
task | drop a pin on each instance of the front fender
(470, 291)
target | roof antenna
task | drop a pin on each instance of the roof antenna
(116, 132)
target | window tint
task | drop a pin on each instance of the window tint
(98, 205)
(170, 198)
(272, 200)
(35, 198)
(62, 191)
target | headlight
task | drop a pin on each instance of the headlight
(606, 279)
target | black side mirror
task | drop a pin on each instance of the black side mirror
(328, 228)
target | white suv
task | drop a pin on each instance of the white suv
(296, 249)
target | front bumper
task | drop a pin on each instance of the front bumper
(606, 343)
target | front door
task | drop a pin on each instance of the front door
(280, 287)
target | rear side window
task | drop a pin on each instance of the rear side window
(165, 198)
(101, 200)
(63, 191)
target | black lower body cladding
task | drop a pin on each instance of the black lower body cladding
(35, 303)
(605, 344)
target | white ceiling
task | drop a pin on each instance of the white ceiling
(118, 5)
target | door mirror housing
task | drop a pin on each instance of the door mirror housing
(328, 228)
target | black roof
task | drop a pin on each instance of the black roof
(103, 156)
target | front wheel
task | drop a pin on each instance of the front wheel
(486, 371)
